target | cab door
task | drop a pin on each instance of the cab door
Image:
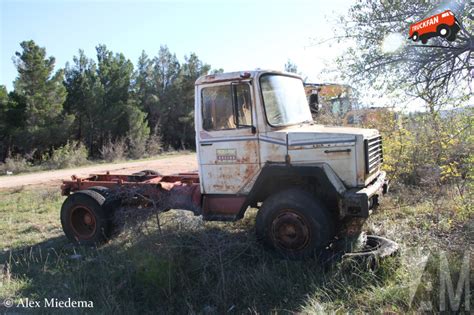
(227, 140)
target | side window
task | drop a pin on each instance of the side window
(226, 107)
(243, 106)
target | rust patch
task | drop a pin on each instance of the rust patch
(249, 172)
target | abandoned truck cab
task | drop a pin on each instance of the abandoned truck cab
(257, 146)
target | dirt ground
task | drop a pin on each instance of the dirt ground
(168, 165)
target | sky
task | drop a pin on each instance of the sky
(234, 35)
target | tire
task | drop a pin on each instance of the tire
(454, 30)
(415, 37)
(444, 31)
(83, 219)
(294, 224)
(104, 191)
(374, 249)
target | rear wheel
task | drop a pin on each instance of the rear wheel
(454, 30)
(83, 220)
(415, 37)
(294, 224)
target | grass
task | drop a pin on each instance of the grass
(191, 266)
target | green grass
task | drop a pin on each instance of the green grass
(191, 266)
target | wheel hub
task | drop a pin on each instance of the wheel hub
(290, 231)
(83, 222)
(87, 219)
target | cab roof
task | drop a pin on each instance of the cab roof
(235, 76)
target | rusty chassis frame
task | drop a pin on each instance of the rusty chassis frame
(183, 186)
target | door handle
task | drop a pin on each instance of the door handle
(205, 144)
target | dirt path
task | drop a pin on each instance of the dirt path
(167, 165)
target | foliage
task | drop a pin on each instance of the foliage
(138, 132)
(428, 150)
(71, 154)
(16, 164)
(154, 145)
(40, 94)
(113, 151)
(95, 100)
(441, 67)
(291, 67)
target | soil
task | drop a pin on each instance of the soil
(168, 165)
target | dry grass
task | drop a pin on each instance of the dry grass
(191, 266)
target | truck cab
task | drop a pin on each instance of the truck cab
(254, 126)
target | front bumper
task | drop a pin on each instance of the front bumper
(359, 202)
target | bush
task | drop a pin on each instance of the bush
(71, 154)
(428, 148)
(17, 164)
(154, 145)
(113, 151)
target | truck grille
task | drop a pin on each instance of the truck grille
(373, 154)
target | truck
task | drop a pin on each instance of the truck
(257, 147)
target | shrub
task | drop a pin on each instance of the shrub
(71, 154)
(113, 151)
(16, 164)
(154, 145)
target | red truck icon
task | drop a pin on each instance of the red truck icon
(444, 24)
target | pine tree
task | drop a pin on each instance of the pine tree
(84, 100)
(42, 93)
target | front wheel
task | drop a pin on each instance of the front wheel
(83, 219)
(444, 31)
(294, 224)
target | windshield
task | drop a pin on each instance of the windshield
(284, 100)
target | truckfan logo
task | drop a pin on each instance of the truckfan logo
(444, 24)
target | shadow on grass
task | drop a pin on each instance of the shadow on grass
(186, 266)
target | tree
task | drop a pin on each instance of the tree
(84, 100)
(145, 90)
(4, 123)
(41, 95)
(138, 131)
(191, 70)
(115, 73)
(373, 24)
(291, 67)
(166, 70)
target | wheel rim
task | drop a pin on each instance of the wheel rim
(83, 222)
(443, 32)
(290, 231)
(415, 38)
